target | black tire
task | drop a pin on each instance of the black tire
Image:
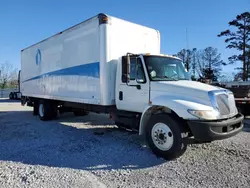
(54, 110)
(179, 144)
(80, 113)
(44, 110)
(14, 96)
(11, 96)
(35, 108)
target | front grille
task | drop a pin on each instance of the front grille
(226, 103)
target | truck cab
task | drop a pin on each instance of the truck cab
(170, 106)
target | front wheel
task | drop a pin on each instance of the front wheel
(164, 136)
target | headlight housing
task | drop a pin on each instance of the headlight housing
(205, 114)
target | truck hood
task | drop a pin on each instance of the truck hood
(183, 88)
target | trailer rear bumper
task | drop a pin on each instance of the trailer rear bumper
(216, 130)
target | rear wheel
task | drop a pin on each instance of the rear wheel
(164, 136)
(14, 96)
(35, 109)
(46, 110)
(11, 96)
(41, 111)
(54, 110)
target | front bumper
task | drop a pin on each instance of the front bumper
(216, 130)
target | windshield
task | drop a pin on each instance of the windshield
(165, 69)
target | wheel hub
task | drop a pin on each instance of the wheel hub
(162, 136)
(41, 110)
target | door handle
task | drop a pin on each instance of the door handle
(120, 95)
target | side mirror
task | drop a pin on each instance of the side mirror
(128, 68)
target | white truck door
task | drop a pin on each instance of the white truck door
(134, 95)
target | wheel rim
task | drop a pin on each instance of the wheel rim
(162, 136)
(41, 110)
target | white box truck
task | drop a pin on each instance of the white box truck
(108, 65)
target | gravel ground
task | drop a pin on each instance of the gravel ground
(91, 152)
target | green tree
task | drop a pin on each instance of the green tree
(248, 60)
(201, 64)
(212, 61)
(185, 55)
(7, 74)
(194, 62)
(239, 39)
(238, 76)
(210, 74)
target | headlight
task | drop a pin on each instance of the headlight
(205, 114)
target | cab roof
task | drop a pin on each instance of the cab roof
(163, 55)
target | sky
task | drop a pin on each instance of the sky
(25, 22)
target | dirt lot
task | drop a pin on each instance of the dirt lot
(91, 152)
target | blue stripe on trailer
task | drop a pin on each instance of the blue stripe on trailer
(90, 70)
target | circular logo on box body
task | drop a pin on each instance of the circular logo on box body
(38, 57)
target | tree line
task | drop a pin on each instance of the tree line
(202, 62)
(207, 63)
(8, 76)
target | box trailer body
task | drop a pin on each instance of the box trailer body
(79, 64)
(108, 65)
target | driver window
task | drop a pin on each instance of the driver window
(140, 76)
(132, 68)
(136, 70)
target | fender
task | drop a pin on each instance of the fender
(168, 103)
